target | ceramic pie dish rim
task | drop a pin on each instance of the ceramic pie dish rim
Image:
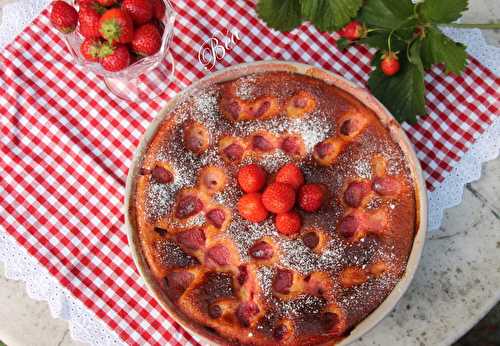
(360, 93)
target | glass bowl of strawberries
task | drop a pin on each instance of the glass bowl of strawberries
(124, 41)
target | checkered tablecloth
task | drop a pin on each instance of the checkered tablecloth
(66, 145)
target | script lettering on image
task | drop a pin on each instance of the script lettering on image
(216, 47)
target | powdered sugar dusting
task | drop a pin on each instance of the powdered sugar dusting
(160, 199)
(245, 87)
(272, 161)
(368, 293)
(363, 169)
(332, 258)
(337, 253)
(230, 195)
(297, 256)
(303, 304)
(245, 233)
(265, 276)
(312, 128)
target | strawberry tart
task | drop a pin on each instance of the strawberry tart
(274, 208)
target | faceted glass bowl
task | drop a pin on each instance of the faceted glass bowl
(141, 78)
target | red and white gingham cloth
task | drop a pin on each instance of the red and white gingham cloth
(66, 145)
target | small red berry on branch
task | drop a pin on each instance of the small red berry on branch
(390, 64)
(353, 31)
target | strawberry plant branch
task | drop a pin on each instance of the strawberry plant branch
(405, 36)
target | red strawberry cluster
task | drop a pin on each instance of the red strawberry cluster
(116, 32)
(287, 190)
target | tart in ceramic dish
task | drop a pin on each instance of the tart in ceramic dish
(234, 281)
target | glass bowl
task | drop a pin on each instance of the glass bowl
(145, 78)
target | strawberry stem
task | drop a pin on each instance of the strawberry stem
(110, 30)
(484, 26)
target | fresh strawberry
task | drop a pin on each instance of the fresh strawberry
(93, 4)
(88, 2)
(90, 49)
(114, 58)
(89, 17)
(158, 9)
(107, 3)
(141, 11)
(352, 31)
(390, 64)
(63, 16)
(278, 198)
(147, 40)
(252, 178)
(251, 208)
(311, 197)
(116, 26)
(290, 174)
(288, 223)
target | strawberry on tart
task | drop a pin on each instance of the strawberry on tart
(274, 208)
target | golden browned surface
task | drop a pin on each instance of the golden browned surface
(212, 264)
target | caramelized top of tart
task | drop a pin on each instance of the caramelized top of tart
(241, 281)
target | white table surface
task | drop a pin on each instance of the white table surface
(457, 282)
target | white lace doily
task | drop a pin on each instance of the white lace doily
(84, 325)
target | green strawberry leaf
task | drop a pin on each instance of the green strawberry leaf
(439, 11)
(282, 15)
(330, 15)
(343, 44)
(380, 41)
(438, 48)
(389, 14)
(376, 40)
(403, 93)
(377, 57)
